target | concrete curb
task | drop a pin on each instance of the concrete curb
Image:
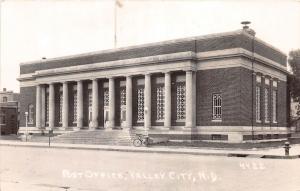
(148, 150)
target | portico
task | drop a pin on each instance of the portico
(79, 86)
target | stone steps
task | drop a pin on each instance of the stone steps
(101, 137)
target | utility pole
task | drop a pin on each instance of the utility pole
(246, 28)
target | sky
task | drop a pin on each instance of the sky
(33, 29)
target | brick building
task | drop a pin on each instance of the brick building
(9, 112)
(229, 86)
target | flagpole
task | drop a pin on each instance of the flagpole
(115, 25)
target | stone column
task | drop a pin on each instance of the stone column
(167, 122)
(38, 106)
(51, 106)
(129, 102)
(147, 97)
(190, 100)
(111, 102)
(65, 107)
(79, 104)
(95, 104)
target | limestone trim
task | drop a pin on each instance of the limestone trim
(239, 52)
(240, 129)
(119, 63)
(154, 64)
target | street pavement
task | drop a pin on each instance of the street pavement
(277, 152)
(44, 169)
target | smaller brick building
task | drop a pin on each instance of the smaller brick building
(9, 112)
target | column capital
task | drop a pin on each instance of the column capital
(189, 71)
(94, 79)
(111, 77)
(129, 75)
(39, 85)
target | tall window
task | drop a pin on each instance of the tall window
(217, 106)
(4, 99)
(60, 106)
(258, 116)
(274, 105)
(75, 106)
(123, 96)
(123, 104)
(47, 107)
(106, 97)
(140, 106)
(180, 100)
(267, 116)
(30, 114)
(90, 103)
(160, 103)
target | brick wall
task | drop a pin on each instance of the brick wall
(223, 81)
(233, 83)
(11, 121)
(27, 98)
(283, 112)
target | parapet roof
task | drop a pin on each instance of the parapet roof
(205, 43)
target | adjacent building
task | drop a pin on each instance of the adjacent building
(9, 112)
(227, 87)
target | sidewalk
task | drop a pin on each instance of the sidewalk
(275, 153)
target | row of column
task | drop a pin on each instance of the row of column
(190, 102)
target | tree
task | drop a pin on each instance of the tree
(294, 79)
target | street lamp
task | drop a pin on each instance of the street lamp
(26, 126)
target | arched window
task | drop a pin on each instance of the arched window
(30, 114)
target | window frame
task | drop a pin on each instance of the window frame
(180, 103)
(215, 107)
(258, 104)
(140, 103)
(160, 105)
(60, 107)
(266, 104)
(5, 99)
(274, 106)
(30, 114)
(47, 97)
(75, 101)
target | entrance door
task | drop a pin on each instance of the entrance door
(106, 117)
(123, 116)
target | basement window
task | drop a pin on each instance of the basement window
(216, 137)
